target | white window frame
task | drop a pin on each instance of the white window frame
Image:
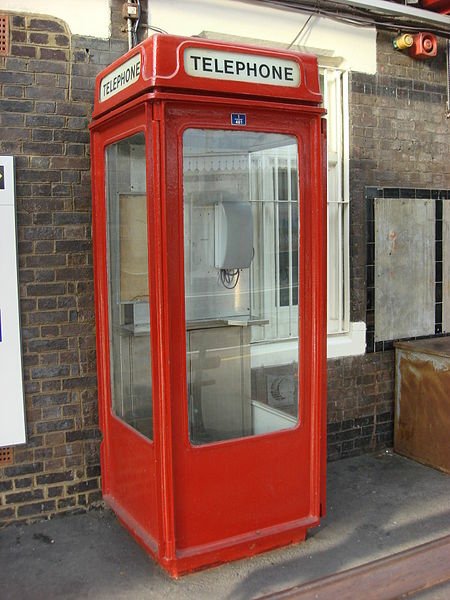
(266, 276)
(335, 100)
(344, 337)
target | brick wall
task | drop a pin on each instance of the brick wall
(360, 404)
(46, 95)
(399, 138)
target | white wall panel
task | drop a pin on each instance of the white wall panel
(404, 268)
(12, 418)
(250, 20)
(84, 17)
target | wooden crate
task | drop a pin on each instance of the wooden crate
(422, 401)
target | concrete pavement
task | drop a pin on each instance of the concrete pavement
(377, 505)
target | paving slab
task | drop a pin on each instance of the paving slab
(378, 505)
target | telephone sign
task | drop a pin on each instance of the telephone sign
(219, 64)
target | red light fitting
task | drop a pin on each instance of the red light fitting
(420, 45)
(424, 46)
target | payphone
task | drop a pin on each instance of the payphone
(209, 247)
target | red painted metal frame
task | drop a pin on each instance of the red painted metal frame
(441, 6)
(191, 507)
(129, 487)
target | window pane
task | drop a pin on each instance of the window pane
(274, 175)
(129, 313)
(333, 84)
(241, 282)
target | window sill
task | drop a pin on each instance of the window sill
(352, 343)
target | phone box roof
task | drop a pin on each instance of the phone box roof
(166, 63)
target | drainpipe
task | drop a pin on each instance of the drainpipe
(448, 79)
(131, 12)
(130, 33)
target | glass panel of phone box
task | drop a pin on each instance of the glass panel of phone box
(241, 243)
(129, 314)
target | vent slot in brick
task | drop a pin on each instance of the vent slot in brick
(6, 455)
(4, 40)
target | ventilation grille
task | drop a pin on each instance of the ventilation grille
(4, 39)
(6, 455)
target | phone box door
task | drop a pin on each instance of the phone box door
(247, 326)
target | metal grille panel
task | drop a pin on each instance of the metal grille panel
(6, 455)
(4, 35)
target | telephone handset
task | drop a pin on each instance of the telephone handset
(233, 235)
(233, 225)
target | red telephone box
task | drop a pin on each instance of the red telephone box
(209, 247)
